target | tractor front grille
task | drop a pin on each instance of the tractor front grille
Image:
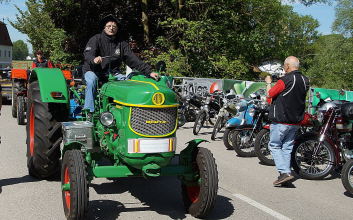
(153, 121)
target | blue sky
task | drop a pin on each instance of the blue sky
(324, 13)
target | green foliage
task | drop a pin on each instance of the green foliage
(209, 38)
(19, 50)
(42, 33)
(344, 18)
(332, 67)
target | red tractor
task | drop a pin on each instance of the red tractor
(19, 94)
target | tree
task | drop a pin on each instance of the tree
(19, 50)
(344, 18)
(332, 66)
(42, 33)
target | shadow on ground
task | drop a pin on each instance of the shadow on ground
(162, 195)
(16, 180)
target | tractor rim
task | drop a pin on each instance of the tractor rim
(193, 193)
(31, 131)
(67, 192)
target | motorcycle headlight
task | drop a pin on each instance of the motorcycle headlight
(252, 112)
(107, 119)
(320, 116)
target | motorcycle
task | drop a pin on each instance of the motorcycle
(189, 105)
(241, 130)
(225, 113)
(209, 109)
(263, 138)
(316, 155)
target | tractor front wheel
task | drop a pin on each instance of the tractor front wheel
(74, 185)
(200, 195)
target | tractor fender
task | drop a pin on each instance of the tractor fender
(186, 155)
(52, 84)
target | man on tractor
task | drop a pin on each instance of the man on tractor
(104, 53)
(40, 61)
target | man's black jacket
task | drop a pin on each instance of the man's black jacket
(104, 45)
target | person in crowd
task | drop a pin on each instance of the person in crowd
(41, 61)
(287, 99)
(105, 52)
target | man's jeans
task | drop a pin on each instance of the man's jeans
(281, 145)
(91, 88)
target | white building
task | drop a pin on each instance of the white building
(5, 47)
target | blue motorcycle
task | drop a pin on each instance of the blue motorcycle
(242, 129)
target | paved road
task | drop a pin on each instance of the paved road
(245, 189)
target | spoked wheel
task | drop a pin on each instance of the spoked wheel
(181, 120)
(243, 143)
(347, 176)
(21, 110)
(261, 147)
(199, 122)
(228, 137)
(200, 195)
(308, 165)
(74, 185)
(217, 127)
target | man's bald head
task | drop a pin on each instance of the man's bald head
(291, 63)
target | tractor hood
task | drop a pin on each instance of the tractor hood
(144, 92)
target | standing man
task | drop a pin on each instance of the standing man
(96, 66)
(40, 61)
(287, 98)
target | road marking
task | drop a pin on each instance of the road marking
(261, 207)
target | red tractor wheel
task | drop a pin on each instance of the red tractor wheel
(74, 185)
(199, 196)
(43, 134)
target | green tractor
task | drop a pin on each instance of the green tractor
(131, 134)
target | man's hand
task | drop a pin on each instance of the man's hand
(154, 75)
(268, 79)
(97, 60)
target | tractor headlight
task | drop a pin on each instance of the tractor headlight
(107, 119)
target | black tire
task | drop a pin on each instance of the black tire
(228, 138)
(302, 158)
(181, 120)
(261, 147)
(347, 176)
(199, 197)
(43, 134)
(217, 127)
(243, 145)
(14, 91)
(21, 110)
(76, 198)
(199, 122)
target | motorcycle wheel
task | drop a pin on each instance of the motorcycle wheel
(199, 122)
(217, 127)
(347, 176)
(181, 120)
(243, 144)
(261, 147)
(306, 164)
(228, 138)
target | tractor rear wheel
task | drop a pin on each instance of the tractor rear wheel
(43, 134)
(74, 183)
(199, 196)
(21, 110)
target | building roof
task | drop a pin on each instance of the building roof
(4, 35)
